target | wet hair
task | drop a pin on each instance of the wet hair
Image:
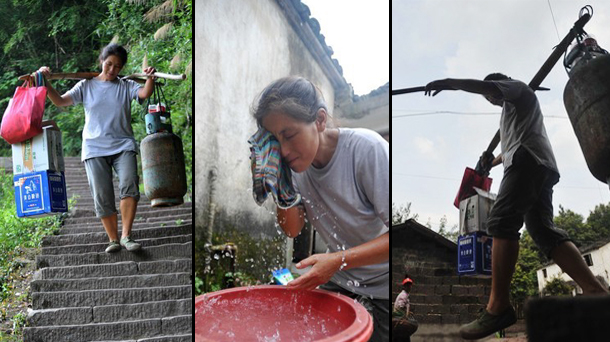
(116, 50)
(496, 77)
(296, 96)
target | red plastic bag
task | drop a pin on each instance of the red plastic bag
(22, 119)
(471, 180)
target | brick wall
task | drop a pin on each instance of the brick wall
(439, 295)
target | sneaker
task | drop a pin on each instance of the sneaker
(113, 246)
(488, 324)
(129, 244)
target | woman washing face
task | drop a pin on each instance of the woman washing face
(343, 177)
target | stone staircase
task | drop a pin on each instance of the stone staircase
(439, 296)
(80, 293)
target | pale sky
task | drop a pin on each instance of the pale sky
(358, 33)
(435, 39)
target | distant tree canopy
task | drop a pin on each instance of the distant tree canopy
(596, 227)
(67, 36)
(401, 213)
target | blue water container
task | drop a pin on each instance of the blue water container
(474, 254)
(40, 193)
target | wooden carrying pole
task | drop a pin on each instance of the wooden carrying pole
(139, 77)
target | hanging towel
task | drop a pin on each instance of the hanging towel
(269, 172)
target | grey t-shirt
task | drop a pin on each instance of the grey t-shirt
(107, 105)
(347, 202)
(521, 125)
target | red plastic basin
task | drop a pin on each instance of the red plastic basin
(271, 313)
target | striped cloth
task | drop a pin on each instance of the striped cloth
(270, 174)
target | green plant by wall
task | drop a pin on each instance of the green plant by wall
(557, 287)
(254, 262)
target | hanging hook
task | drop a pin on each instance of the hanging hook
(588, 9)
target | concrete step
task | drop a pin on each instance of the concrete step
(81, 293)
(101, 247)
(163, 252)
(87, 202)
(144, 214)
(90, 212)
(136, 281)
(180, 217)
(91, 298)
(111, 331)
(126, 268)
(453, 279)
(448, 299)
(446, 314)
(97, 227)
(101, 237)
(110, 313)
(456, 290)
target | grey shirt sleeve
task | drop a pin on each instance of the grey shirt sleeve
(76, 93)
(374, 177)
(133, 88)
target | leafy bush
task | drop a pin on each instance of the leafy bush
(557, 287)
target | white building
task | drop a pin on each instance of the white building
(597, 257)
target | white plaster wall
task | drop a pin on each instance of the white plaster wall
(601, 267)
(240, 47)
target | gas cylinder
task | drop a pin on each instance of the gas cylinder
(587, 101)
(163, 169)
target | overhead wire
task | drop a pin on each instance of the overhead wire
(439, 112)
(554, 23)
(558, 186)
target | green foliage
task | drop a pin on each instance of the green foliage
(402, 213)
(449, 233)
(198, 286)
(525, 282)
(557, 287)
(575, 226)
(599, 223)
(19, 322)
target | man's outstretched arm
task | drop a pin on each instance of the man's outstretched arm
(485, 88)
